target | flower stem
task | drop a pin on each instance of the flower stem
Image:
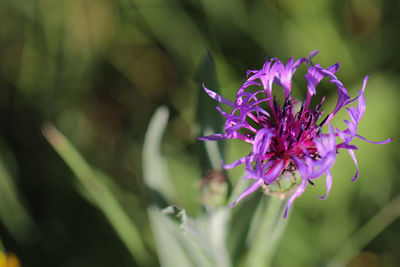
(266, 230)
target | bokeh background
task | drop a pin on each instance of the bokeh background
(98, 69)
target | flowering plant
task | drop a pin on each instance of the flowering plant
(288, 137)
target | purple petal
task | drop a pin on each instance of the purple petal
(344, 136)
(251, 72)
(226, 115)
(298, 62)
(258, 171)
(234, 164)
(343, 99)
(351, 127)
(378, 143)
(250, 83)
(262, 140)
(334, 68)
(248, 96)
(365, 83)
(346, 146)
(268, 77)
(285, 74)
(313, 77)
(213, 137)
(249, 190)
(326, 144)
(324, 165)
(218, 98)
(359, 113)
(300, 165)
(353, 114)
(328, 184)
(313, 54)
(361, 107)
(295, 195)
(289, 64)
(274, 172)
(353, 156)
(312, 169)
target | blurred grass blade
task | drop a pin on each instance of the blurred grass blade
(208, 120)
(155, 171)
(99, 193)
(172, 26)
(367, 233)
(12, 213)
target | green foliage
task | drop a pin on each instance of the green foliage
(96, 190)
(207, 120)
(98, 70)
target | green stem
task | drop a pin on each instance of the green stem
(266, 230)
(367, 233)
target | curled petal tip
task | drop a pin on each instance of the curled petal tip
(286, 213)
(387, 141)
(364, 83)
(328, 185)
(248, 191)
(378, 143)
(212, 137)
(313, 53)
(354, 179)
(217, 97)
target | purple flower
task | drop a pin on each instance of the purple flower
(288, 137)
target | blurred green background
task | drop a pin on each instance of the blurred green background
(98, 69)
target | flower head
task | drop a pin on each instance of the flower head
(289, 137)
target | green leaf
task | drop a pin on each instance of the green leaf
(12, 213)
(97, 191)
(174, 248)
(192, 238)
(208, 119)
(184, 241)
(170, 251)
(155, 173)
